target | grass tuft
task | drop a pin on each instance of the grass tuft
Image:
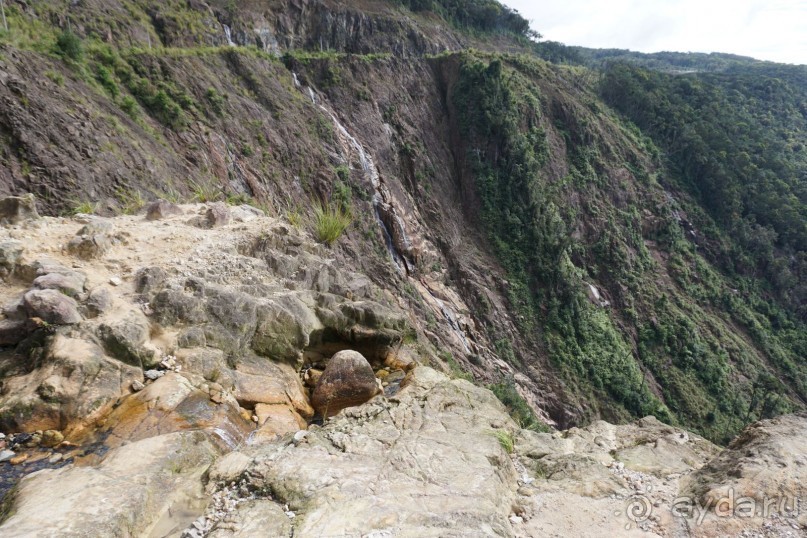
(330, 222)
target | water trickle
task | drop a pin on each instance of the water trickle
(296, 79)
(312, 96)
(228, 35)
(227, 437)
(451, 317)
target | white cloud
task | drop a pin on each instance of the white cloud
(766, 29)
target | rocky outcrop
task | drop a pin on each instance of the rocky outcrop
(143, 486)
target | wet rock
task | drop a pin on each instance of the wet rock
(174, 403)
(17, 209)
(51, 438)
(17, 460)
(348, 380)
(10, 255)
(74, 383)
(6, 455)
(276, 420)
(146, 479)
(162, 209)
(52, 307)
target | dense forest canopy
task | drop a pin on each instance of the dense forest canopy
(481, 15)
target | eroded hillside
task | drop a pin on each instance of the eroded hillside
(534, 237)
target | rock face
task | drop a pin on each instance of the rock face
(16, 209)
(763, 472)
(348, 380)
(395, 469)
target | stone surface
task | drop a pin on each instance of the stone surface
(74, 384)
(16, 209)
(161, 209)
(125, 339)
(52, 307)
(128, 494)
(99, 301)
(348, 380)
(276, 420)
(246, 213)
(216, 215)
(10, 255)
(424, 466)
(70, 283)
(88, 247)
(174, 403)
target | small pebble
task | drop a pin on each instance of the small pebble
(115, 281)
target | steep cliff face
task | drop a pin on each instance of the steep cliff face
(529, 231)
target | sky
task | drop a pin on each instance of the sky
(774, 30)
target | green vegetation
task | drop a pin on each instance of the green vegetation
(205, 191)
(68, 45)
(84, 207)
(330, 222)
(517, 406)
(486, 16)
(682, 337)
(131, 201)
(506, 440)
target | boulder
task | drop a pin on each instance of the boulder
(71, 283)
(14, 331)
(348, 380)
(92, 240)
(52, 307)
(216, 215)
(162, 209)
(246, 213)
(10, 255)
(149, 279)
(17, 209)
(88, 247)
(125, 338)
(99, 301)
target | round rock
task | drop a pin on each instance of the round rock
(348, 380)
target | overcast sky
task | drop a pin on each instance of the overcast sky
(773, 30)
